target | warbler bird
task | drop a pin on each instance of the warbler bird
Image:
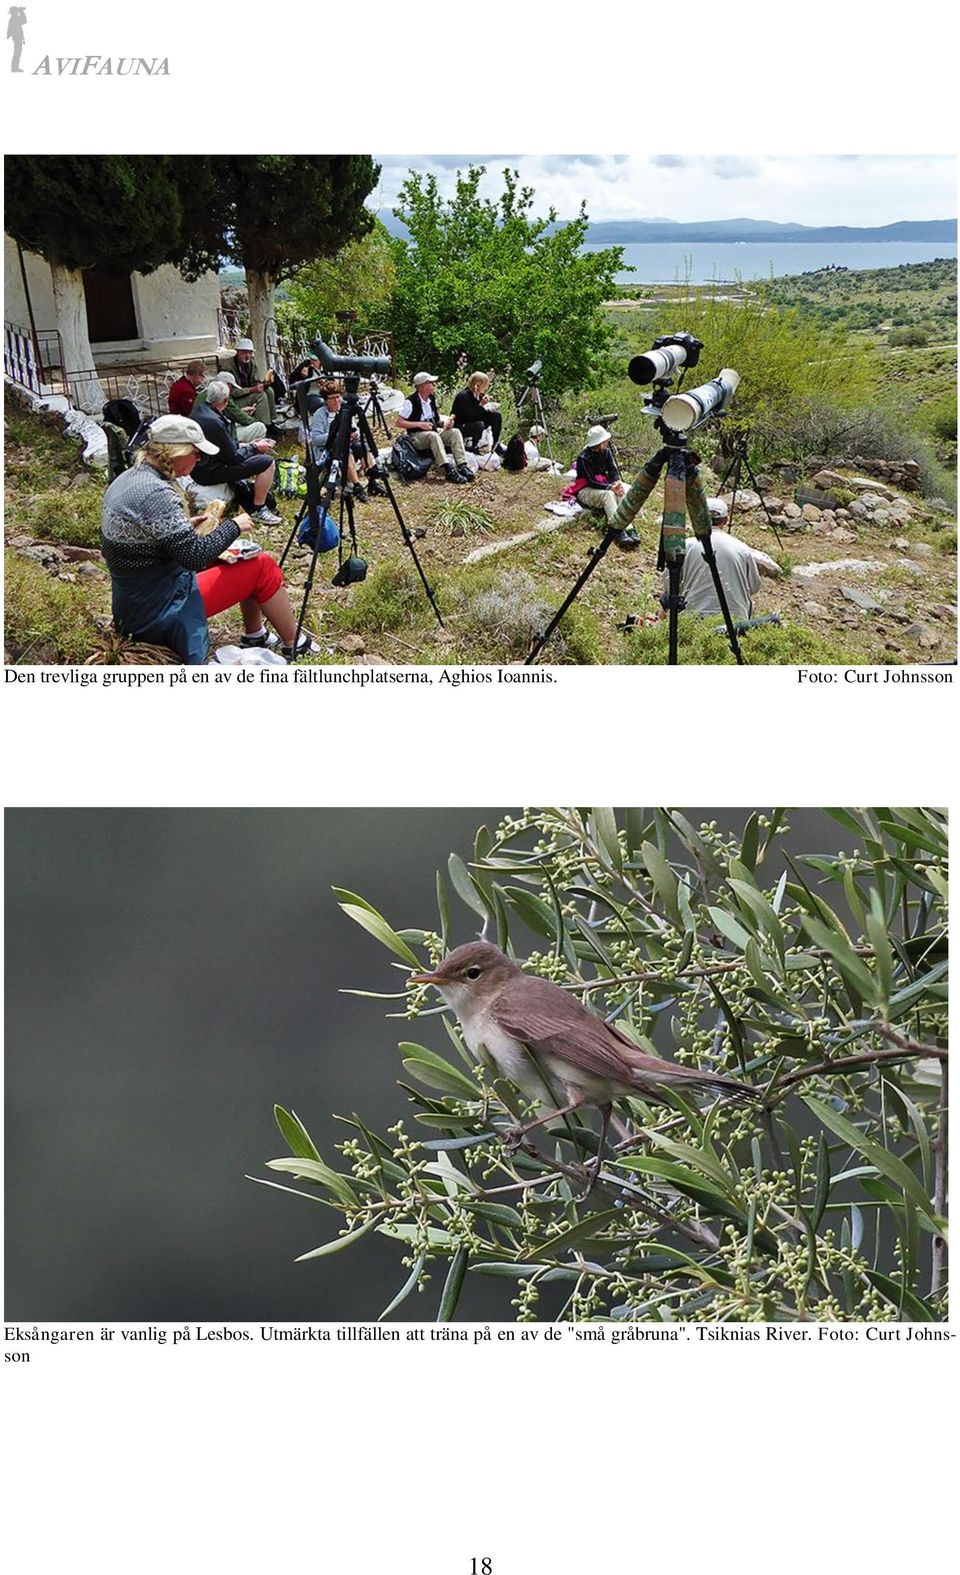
(549, 1045)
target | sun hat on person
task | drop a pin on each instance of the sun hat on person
(226, 377)
(423, 377)
(596, 435)
(180, 429)
(244, 344)
(717, 509)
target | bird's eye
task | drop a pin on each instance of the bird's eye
(473, 973)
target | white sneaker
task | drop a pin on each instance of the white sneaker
(266, 516)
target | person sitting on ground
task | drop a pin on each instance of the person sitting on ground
(738, 565)
(238, 416)
(182, 395)
(473, 412)
(307, 371)
(431, 433)
(323, 427)
(248, 468)
(249, 381)
(167, 580)
(601, 486)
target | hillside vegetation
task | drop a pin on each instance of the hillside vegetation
(815, 392)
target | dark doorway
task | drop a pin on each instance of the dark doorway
(110, 310)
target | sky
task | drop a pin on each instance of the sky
(818, 189)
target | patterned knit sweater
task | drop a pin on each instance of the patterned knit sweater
(143, 524)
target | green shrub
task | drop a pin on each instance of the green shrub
(46, 619)
(704, 641)
(390, 598)
(911, 338)
(940, 417)
(837, 432)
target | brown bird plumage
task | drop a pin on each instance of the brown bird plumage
(547, 1043)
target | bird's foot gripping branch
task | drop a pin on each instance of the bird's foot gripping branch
(688, 1073)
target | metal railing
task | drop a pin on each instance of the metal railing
(20, 362)
(286, 347)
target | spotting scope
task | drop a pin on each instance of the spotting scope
(362, 365)
(682, 412)
(670, 352)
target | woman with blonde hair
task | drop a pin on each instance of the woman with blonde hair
(473, 412)
(167, 579)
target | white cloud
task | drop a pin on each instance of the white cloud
(806, 189)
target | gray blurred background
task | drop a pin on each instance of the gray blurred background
(171, 974)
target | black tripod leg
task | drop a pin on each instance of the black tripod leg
(753, 481)
(593, 561)
(700, 520)
(290, 539)
(317, 481)
(367, 437)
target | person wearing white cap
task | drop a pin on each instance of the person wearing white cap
(249, 381)
(238, 416)
(600, 484)
(167, 580)
(431, 433)
(739, 567)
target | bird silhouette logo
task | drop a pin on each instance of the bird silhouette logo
(17, 18)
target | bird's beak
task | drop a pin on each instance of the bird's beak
(424, 978)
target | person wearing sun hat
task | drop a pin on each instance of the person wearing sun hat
(250, 382)
(600, 483)
(433, 434)
(167, 580)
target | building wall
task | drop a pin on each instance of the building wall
(175, 317)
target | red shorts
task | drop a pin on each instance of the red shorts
(226, 584)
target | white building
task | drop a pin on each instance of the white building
(131, 318)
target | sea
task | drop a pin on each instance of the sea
(701, 262)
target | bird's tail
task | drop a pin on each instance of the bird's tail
(714, 1083)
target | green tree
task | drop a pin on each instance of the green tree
(360, 277)
(287, 210)
(820, 979)
(119, 212)
(484, 281)
(789, 362)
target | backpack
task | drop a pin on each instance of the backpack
(516, 456)
(123, 413)
(408, 464)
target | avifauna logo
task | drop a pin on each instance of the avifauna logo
(80, 65)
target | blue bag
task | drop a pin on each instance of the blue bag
(329, 532)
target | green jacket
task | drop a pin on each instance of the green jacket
(233, 412)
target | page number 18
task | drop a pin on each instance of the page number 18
(481, 1567)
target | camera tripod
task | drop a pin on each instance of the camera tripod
(374, 404)
(739, 462)
(532, 394)
(683, 496)
(335, 464)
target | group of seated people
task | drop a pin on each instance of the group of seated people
(168, 577)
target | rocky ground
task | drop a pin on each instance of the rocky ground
(869, 569)
(865, 555)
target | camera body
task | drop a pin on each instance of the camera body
(689, 343)
(669, 353)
